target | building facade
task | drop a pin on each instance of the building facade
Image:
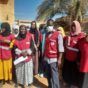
(7, 11)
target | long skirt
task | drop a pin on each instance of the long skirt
(83, 80)
(70, 72)
(6, 69)
(24, 73)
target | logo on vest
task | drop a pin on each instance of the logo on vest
(27, 42)
(74, 42)
(52, 43)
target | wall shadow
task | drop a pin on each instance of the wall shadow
(3, 1)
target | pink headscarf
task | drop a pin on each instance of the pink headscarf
(78, 28)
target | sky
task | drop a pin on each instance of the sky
(26, 9)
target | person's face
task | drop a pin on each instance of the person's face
(50, 23)
(33, 25)
(22, 30)
(3, 30)
(73, 28)
(16, 31)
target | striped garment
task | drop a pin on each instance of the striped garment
(24, 73)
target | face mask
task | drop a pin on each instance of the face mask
(50, 29)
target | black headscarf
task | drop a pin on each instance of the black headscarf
(34, 31)
(7, 28)
(22, 36)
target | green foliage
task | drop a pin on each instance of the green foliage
(75, 9)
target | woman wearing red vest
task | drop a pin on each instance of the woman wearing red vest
(70, 70)
(5, 52)
(83, 62)
(53, 54)
(24, 47)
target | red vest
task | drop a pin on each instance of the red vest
(83, 47)
(70, 54)
(51, 45)
(4, 52)
(24, 44)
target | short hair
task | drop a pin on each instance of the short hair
(49, 21)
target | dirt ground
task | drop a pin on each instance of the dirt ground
(38, 83)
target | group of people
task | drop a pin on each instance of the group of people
(25, 53)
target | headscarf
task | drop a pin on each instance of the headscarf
(35, 32)
(77, 28)
(7, 28)
(61, 30)
(22, 36)
(15, 27)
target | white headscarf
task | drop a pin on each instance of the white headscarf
(16, 27)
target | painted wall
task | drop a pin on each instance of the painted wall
(7, 11)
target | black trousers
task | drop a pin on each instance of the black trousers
(70, 72)
(83, 80)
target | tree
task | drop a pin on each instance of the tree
(48, 9)
(75, 9)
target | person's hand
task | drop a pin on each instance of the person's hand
(38, 45)
(59, 63)
(6, 41)
(24, 53)
(35, 47)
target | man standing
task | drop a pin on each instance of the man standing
(53, 54)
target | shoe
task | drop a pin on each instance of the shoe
(65, 85)
(22, 86)
(1, 84)
(29, 85)
(16, 86)
(10, 82)
(37, 74)
(73, 86)
(41, 75)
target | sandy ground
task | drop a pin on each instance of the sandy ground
(38, 83)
